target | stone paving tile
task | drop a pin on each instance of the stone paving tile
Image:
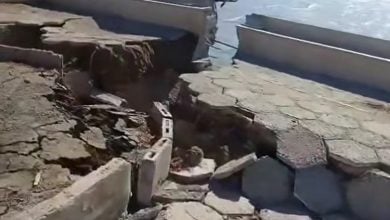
(299, 148)
(352, 155)
(279, 101)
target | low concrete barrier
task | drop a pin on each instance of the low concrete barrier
(314, 58)
(33, 57)
(194, 19)
(345, 40)
(101, 195)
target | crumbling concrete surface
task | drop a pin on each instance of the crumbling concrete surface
(92, 197)
(28, 120)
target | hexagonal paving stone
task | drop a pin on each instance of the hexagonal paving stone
(352, 155)
(239, 94)
(217, 74)
(369, 196)
(298, 112)
(205, 87)
(369, 138)
(340, 120)
(323, 129)
(228, 202)
(216, 100)
(229, 83)
(316, 106)
(255, 105)
(278, 100)
(300, 148)
(384, 158)
(275, 121)
(267, 182)
(338, 217)
(319, 189)
(193, 77)
(378, 128)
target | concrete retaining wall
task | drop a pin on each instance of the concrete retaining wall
(101, 195)
(33, 57)
(311, 57)
(196, 20)
(355, 42)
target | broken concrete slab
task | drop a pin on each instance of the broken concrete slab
(174, 192)
(384, 158)
(107, 98)
(267, 182)
(62, 145)
(188, 211)
(94, 137)
(351, 157)
(91, 197)
(194, 174)
(369, 196)
(33, 57)
(234, 166)
(228, 202)
(300, 148)
(11, 162)
(154, 169)
(319, 189)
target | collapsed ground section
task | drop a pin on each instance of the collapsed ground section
(306, 126)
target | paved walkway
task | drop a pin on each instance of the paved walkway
(355, 129)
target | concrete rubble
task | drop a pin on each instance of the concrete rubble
(88, 105)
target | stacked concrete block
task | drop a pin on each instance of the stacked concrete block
(159, 111)
(154, 167)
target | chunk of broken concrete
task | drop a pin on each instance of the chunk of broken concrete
(228, 201)
(319, 189)
(94, 137)
(62, 145)
(188, 211)
(194, 174)
(107, 98)
(369, 196)
(300, 148)
(267, 182)
(174, 192)
(234, 166)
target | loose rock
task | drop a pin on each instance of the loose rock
(267, 182)
(234, 166)
(94, 137)
(319, 189)
(369, 196)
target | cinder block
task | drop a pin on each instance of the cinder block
(158, 112)
(101, 195)
(167, 128)
(153, 170)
